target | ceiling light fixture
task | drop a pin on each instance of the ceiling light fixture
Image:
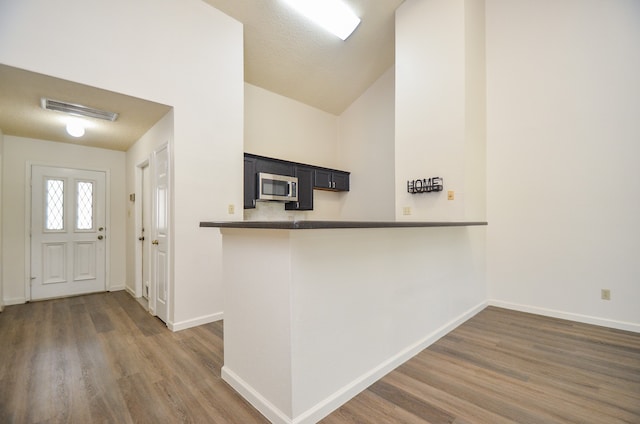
(77, 110)
(333, 15)
(75, 128)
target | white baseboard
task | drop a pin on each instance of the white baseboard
(266, 408)
(130, 291)
(347, 392)
(194, 322)
(585, 319)
(14, 301)
(117, 287)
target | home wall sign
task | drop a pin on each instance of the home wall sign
(425, 185)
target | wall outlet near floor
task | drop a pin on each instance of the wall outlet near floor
(406, 210)
(605, 294)
(231, 209)
(451, 195)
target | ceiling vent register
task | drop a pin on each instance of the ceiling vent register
(77, 110)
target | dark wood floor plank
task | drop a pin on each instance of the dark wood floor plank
(103, 358)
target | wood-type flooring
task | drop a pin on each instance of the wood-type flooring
(102, 359)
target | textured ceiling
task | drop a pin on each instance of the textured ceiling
(283, 53)
(21, 114)
(286, 54)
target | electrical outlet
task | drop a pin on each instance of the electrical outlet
(605, 294)
(406, 210)
(451, 195)
(231, 209)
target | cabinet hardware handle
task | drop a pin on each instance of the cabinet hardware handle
(156, 242)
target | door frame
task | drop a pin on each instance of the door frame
(27, 221)
(137, 208)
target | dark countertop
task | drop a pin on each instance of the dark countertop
(316, 225)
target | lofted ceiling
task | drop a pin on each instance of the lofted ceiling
(283, 53)
(286, 54)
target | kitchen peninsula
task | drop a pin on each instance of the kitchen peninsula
(316, 311)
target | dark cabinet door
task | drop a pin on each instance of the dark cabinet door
(250, 193)
(340, 180)
(327, 179)
(305, 189)
(322, 179)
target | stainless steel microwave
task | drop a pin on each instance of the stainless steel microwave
(277, 187)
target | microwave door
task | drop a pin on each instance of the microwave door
(275, 187)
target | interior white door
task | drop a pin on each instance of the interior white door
(145, 230)
(160, 231)
(67, 232)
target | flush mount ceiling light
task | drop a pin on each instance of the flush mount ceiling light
(77, 110)
(75, 128)
(333, 15)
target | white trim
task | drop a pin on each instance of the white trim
(138, 283)
(266, 408)
(347, 392)
(194, 322)
(15, 301)
(586, 319)
(118, 287)
(130, 291)
(107, 220)
(27, 231)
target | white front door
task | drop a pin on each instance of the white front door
(160, 234)
(67, 232)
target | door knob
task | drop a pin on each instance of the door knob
(100, 237)
(155, 242)
(101, 228)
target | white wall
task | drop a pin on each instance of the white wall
(278, 127)
(343, 308)
(439, 111)
(366, 148)
(182, 53)
(439, 131)
(360, 141)
(563, 173)
(19, 154)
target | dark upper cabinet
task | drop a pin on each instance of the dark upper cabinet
(330, 179)
(250, 193)
(305, 189)
(274, 166)
(309, 177)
